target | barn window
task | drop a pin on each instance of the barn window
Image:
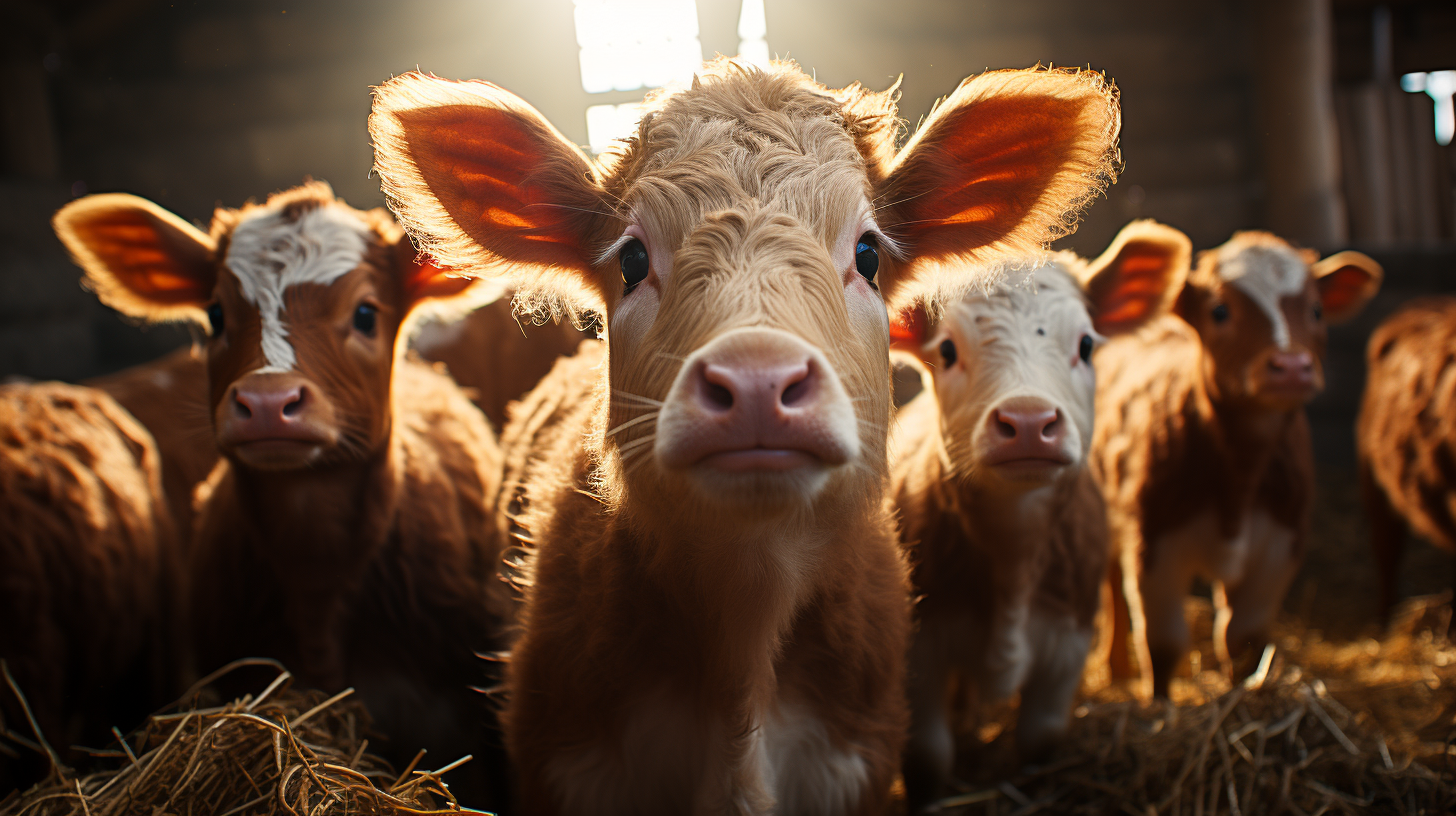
(1440, 86)
(629, 45)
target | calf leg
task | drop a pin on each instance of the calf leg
(1119, 660)
(930, 749)
(1245, 610)
(1162, 589)
(1046, 699)
(1387, 539)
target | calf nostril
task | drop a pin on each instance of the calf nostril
(293, 406)
(1052, 429)
(240, 406)
(799, 388)
(1006, 428)
(718, 396)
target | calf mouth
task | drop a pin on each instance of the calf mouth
(279, 453)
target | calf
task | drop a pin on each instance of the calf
(1406, 434)
(1202, 446)
(168, 396)
(716, 609)
(1003, 526)
(347, 529)
(88, 563)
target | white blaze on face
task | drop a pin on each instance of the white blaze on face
(269, 253)
(1265, 274)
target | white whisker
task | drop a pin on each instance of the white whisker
(647, 417)
(627, 395)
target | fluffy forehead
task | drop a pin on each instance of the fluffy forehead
(1266, 269)
(775, 136)
(1048, 297)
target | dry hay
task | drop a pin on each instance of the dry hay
(283, 751)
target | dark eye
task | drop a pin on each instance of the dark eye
(365, 316)
(1084, 348)
(948, 352)
(633, 260)
(1319, 310)
(214, 318)
(1220, 313)
(867, 257)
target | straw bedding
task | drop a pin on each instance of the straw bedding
(281, 751)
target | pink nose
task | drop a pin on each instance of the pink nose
(1027, 429)
(1291, 368)
(270, 409)
(745, 393)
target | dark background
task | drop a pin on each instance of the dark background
(1276, 114)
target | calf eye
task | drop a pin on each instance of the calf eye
(867, 257)
(1220, 313)
(633, 260)
(1084, 348)
(948, 352)
(214, 318)
(365, 317)
(1319, 310)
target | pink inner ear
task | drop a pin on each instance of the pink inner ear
(907, 329)
(1342, 289)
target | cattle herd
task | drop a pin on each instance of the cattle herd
(721, 571)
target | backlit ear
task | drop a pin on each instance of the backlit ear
(998, 169)
(440, 288)
(908, 328)
(1138, 277)
(139, 259)
(1346, 280)
(484, 184)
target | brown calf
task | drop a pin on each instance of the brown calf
(88, 570)
(1003, 526)
(347, 530)
(718, 610)
(1406, 435)
(1202, 446)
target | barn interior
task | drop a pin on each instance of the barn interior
(1328, 122)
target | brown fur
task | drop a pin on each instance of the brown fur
(1187, 433)
(383, 536)
(672, 632)
(168, 396)
(1406, 434)
(88, 569)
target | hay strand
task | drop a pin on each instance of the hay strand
(284, 751)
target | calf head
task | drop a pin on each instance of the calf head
(1012, 367)
(303, 299)
(1261, 309)
(742, 247)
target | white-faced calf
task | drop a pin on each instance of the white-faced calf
(347, 530)
(718, 611)
(1202, 446)
(1406, 435)
(1003, 526)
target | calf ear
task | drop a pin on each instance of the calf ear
(908, 328)
(139, 259)
(998, 169)
(1346, 280)
(1138, 277)
(484, 184)
(440, 290)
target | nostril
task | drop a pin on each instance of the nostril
(1051, 430)
(293, 406)
(800, 387)
(717, 396)
(240, 406)
(1007, 429)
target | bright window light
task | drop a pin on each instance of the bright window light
(1440, 86)
(606, 123)
(631, 44)
(752, 33)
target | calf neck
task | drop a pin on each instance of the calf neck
(715, 610)
(1003, 526)
(1202, 446)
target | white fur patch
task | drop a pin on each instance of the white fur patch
(811, 775)
(268, 253)
(1265, 274)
